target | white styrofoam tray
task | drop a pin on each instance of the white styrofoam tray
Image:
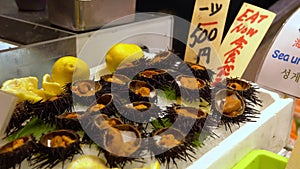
(270, 132)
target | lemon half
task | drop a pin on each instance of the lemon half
(122, 52)
(67, 68)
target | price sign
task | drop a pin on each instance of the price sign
(206, 31)
(7, 103)
(281, 67)
(242, 40)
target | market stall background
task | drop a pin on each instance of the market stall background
(282, 8)
(40, 17)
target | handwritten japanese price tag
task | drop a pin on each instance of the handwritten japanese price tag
(7, 104)
(281, 67)
(206, 32)
(242, 40)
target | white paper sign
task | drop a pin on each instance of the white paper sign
(7, 103)
(281, 68)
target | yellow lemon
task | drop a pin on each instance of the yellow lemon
(67, 68)
(87, 162)
(120, 53)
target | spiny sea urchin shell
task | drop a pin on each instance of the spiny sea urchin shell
(122, 145)
(131, 69)
(169, 145)
(156, 77)
(141, 91)
(230, 107)
(84, 91)
(103, 122)
(140, 114)
(49, 109)
(199, 71)
(105, 104)
(113, 83)
(165, 60)
(13, 153)
(95, 126)
(114, 78)
(55, 147)
(69, 120)
(189, 119)
(245, 89)
(21, 113)
(192, 89)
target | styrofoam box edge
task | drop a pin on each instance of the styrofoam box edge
(269, 132)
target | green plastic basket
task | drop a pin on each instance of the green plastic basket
(262, 159)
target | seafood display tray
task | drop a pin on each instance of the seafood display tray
(268, 132)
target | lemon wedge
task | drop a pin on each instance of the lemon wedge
(67, 68)
(45, 95)
(24, 88)
(26, 83)
(50, 86)
(155, 165)
(87, 162)
(120, 53)
(25, 95)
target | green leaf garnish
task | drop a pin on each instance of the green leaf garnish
(35, 127)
